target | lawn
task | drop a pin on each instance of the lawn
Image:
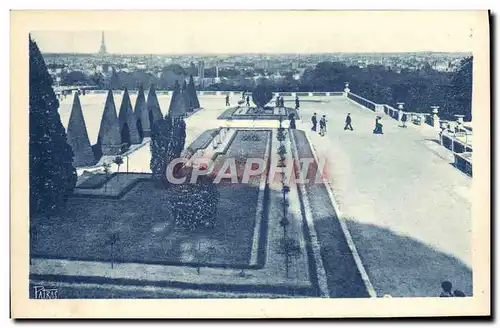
(139, 226)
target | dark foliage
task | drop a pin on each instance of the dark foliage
(195, 204)
(167, 142)
(75, 78)
(52, 175)
(418, 89)
(262, 95)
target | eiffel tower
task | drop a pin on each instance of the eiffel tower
(102, 50)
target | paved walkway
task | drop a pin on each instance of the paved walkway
(408, 208)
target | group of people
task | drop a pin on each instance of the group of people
(447, 290)
(246, 97)
(242, 97)
(322, 124)
(347, 126)
(280, 102)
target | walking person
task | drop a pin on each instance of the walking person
(378, 126)
(297, 102)
(314, 121)
(404, 118)
(322, 126)
(278, 101)
(248, 101)
(291, 117)
(348, 121)
(227, 100)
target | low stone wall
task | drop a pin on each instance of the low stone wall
(362, 101)
(454, 144)
(463, 162)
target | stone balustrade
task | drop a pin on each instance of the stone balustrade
(463, 162)
(363, 101)
(234, 93)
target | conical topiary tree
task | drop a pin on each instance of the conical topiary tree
(142, 115)
(128, 123)
(177, 106)
(186, 97)
(192, 93)
(109, 116)
(109, 138)
(51, 171)
(78, 137)
(154, 110)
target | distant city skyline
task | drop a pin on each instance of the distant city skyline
(90, 42)
(268, 33)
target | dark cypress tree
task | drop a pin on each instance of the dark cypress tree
(160, 139)
(52, 175)
(167, 142)
(178, 138)
(192, 93)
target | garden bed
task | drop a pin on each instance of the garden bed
(229, 114)
(94, 180)
(202, 142)
(142, 227)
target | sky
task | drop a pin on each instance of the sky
(226, 32)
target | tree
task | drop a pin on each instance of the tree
(107, 171)
(75, 78)
(192, 70)
(262, 95)
(178, 138)
(51, 171)
(461, 85)
(98, 79)
(167, 142)
(203, 255)
(115, 83)
(288, 247)
(112, 239)
(118, 161)
(160, 139)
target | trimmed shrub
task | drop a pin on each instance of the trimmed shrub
(262, 95)
(195, 205)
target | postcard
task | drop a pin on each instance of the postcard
(250, 164)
